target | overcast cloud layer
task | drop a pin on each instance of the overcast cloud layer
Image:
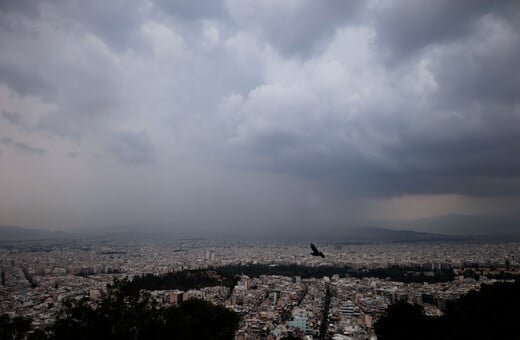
(257, 117)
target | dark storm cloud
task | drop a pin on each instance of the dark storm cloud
(470, 165)
(298, 27)
(117, 22)
(186, 9)
(449, 156)
(406, 27)
(327, 102)
(12, 117)
(20, 146)
(481, 73)
(24, 8)
(24, 82)
(62, 124)
(458, 135)
(133, 147)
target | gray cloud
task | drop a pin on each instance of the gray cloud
(295, 28)
(185, 9)
(132, 147)
(116, 23)
(406, 27)
(445, 124)
(312, 106)
(20, 146)
(479, 70)
(25, 8)
(24, 82)
(12, 117)
(472, 154)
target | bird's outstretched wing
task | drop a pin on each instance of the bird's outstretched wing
(315, 251)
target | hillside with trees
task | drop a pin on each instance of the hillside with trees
(491, 313)
(125, 312)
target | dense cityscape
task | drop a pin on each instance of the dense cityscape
(274, 170)
(37, 276)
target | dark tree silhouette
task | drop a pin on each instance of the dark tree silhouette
(402, 321)
(14, 328)
(127, 313)
(491, 313)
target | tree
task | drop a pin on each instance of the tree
(402, 321)
(126, 313)
(14, 328)
(491, 313)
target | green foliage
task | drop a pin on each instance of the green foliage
(126, 313)
(255, 270)
(14, 328)
(394, 273)
(226, 275)
(197, 319)
(491, 313)
(183, 280)
(407, 274)
(402, 321)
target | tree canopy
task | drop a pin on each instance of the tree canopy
(127, 313)
(491, 313)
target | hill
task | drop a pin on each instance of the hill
(13, 233)
(372, 234)
(491, 313)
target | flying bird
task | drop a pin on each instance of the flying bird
(315, 251)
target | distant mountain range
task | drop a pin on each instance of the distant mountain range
(371, 234)
(457, 224)
(13, 233)
(445, 228)
(22, 234)
(354, 235)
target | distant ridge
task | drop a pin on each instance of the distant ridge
(374, 234)
(354, 235)
(482, 225)
(13, 233)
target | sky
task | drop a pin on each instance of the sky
(254, 118)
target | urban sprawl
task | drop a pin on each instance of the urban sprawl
(37, 276)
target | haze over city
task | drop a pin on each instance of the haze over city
(253, 118)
